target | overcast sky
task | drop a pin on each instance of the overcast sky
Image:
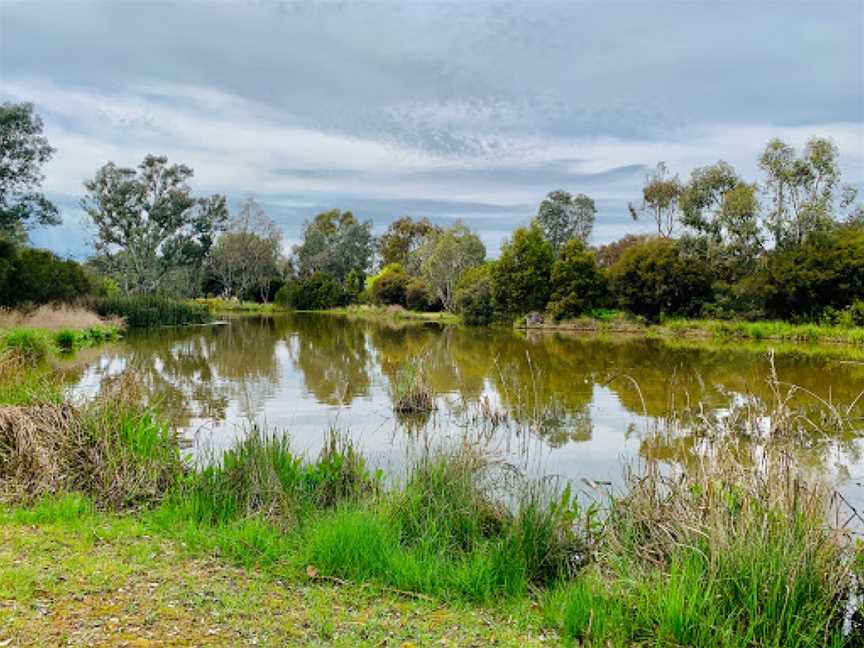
(465, 110)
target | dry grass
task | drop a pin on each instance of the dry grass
(54, 318)
(112, 449)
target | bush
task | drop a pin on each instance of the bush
(146, 311)
(31, 276)
(319, 291)
(390, 286)
(827, 270)
(473, 296)
(521, 277)
(657, 278)
(578, 284)
(419, 296)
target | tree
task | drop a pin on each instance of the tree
(563, 216)
(578, 284)
(473, 296)
(336, 243)
(802, 189)
(148, 224)
(246, 256)
(402, 238)
(446, 256)
(826, 270)
(318, 291)
(608, 254)
(521, 277)
(660, 195)
(23, 151)
(657, 278)
(724, 209)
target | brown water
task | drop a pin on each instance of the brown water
(567, 404)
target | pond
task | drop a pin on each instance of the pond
(566, 404)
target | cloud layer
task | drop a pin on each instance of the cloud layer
(469, 111)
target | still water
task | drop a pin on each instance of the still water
(571, 405)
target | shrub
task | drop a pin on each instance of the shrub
(656, 278)
(827, 270)
(146, 311)
(31, 276)
(390, 286)
(419, 296)
(521, 276)
(578, 284)
(318, 291)
(474, 296)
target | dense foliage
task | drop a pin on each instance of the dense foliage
(658, 278)
(31, 276)
(521, 277)
(319, 291)
(578, 283)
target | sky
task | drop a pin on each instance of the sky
(463, 110)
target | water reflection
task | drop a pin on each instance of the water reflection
(586, 401)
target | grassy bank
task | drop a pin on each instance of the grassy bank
(393, 313)
(738, 548)
(37, 344)
(617, 322)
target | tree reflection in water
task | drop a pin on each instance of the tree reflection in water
(568, 391)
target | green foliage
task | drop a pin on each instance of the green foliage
(319, 291)
(390, 285)
(445, 256)
(655, 278)
(563, 217)
(474, 296)
(150, 229)
(335, 243)
(402, 239)
(521, 277)
(420, 297)
(824, 271)
(30, 276)
(578, 283)
(24, 150)
(147, 311)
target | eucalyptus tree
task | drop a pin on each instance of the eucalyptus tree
(149, 225)
(402, 239)
(802, 189)
(23, 151)
(335, 243)
(247, 255)
(563, 216)
(446, 256)
(660, 195)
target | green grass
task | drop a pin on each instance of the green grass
(150, 311)
(71, 574)
(393, 314)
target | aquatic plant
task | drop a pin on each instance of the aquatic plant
(410, 393)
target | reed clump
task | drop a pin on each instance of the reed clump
(736, 548)
(148, 311)
(411, 393)
(112, 449)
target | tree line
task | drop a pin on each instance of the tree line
(788, 245)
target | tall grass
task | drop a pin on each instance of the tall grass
(151, 311)
(113, 450)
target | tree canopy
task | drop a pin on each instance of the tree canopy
(563, 216)
(23, 152)
(336, 243)
(148, 223)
